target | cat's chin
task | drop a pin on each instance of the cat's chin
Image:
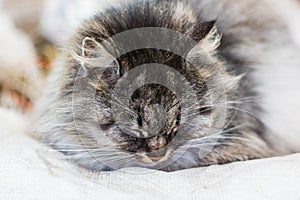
(158, 156)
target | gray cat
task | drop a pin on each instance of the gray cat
(105, 112)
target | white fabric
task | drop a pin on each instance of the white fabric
(29, 170)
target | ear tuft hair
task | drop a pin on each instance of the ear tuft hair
(208, 37)
(88, 47)
(212, 40)
(93, 54)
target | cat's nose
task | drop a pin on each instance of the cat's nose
(157, 142)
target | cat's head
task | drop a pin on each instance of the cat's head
(143, 89)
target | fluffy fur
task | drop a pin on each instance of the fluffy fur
(242, 44)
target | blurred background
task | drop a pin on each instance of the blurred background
(31, 32)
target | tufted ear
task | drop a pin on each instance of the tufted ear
(207, 36)
(94, 54)
(88, 48)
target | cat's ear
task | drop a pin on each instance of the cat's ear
(207, 36)
(89, 47)
(94, 54)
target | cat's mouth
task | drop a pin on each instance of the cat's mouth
(156, 156)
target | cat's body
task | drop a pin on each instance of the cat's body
(230, 119)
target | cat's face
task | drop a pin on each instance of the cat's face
(160, 113)
(156, 126)
(152, 120)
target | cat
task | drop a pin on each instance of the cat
(169, 85)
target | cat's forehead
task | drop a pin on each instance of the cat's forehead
(154, 94)
(148, 56)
